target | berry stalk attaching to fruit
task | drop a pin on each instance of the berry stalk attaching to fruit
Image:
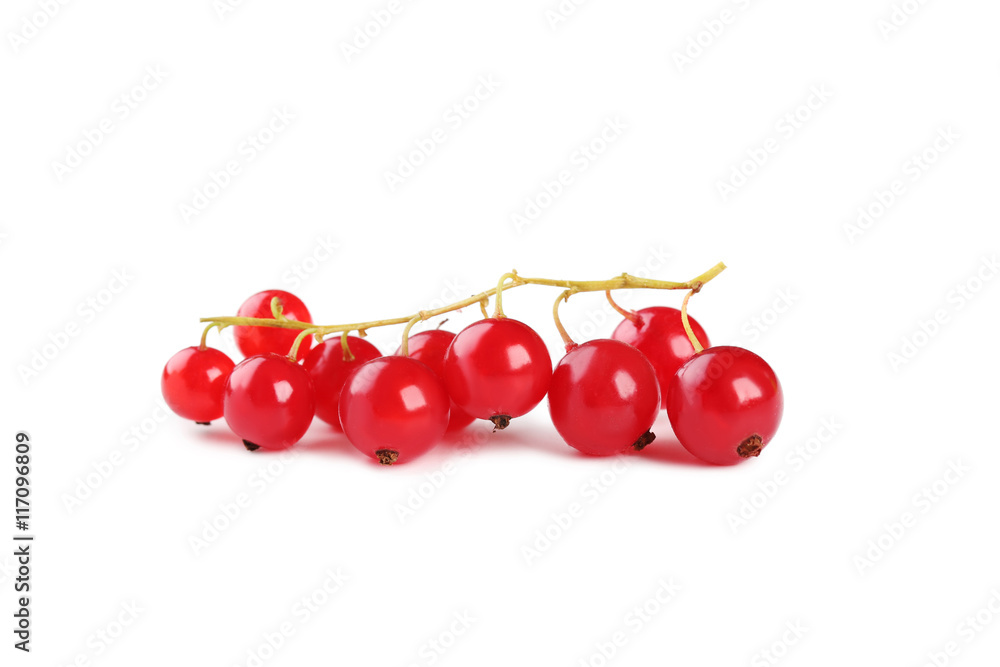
(313, 331)
(498, 306)
(204, 335)
(405, 348)
(629, 315)
(698, 347)
(567, 341)
(348, 355)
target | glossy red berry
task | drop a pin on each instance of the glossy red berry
(497, 369)
(269, 401)
(430, 348)
(725, 405)
(193, 382)
(264, 340)
(659, 334)
(394, 409)
(328, 370)
(604, 398)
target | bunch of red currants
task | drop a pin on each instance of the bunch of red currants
(724, 403)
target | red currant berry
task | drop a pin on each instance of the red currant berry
(193, 382)
(329, 369)
(263, 340)
(659, 334)
(269, 401)
(430, 347)
(497, 369)
(394, 409)
(725, 404)
(604, 398)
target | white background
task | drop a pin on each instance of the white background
(649, 202)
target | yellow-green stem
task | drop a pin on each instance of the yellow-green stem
(508, 281)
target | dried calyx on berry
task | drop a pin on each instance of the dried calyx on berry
(643, 440)
(387, 456)
(500, 422)
(752, 446)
